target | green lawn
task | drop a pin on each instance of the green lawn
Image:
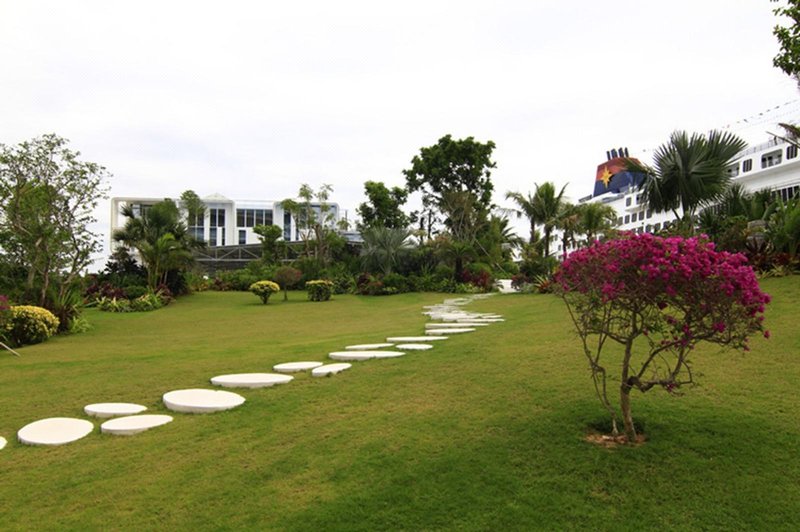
(484, 432)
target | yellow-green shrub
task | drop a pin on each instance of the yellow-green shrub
(30, 325)
(319, 290)
(264, 289)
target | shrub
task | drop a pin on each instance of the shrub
(396, 283)
(146, 303)
(319, 290)
(133, 292)
(654, 299)
(29, 325)
(264, 289)
(112, 304)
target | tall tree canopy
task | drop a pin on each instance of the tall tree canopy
(47, 195)
(382, 208)
(788, 59)
(450, 172)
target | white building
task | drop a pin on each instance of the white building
(226, 222)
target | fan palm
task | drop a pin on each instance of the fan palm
(384, 247)
(689, 172)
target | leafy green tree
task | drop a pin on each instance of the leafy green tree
(47, 195)
(287, 277)
(384, 247)
(788, 59)
(783, 227)
(272, 247)
(161, 239)
(382, 208)
(195, 210)
(569, 222)
(689, 172)
(452, 166)
(314, 218)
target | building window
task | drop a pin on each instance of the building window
(627, 218)
(733, 170)
(747, 165)
(253, 217)
(649, 213)
(641, 215)
(619, 220)
(771, 159)
(212, 236)
(628, 201)
(791, 152)
(242, 237)
(216, 217)
(638, 198)
(287, 226)
(656, 228)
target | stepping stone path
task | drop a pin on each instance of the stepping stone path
(452, 330)
(54, 431)
(415, 338)
(367, 347)
(250, 380)
(129, 425)
(113, 409)
(59, 430)
(295, 367)
(414, 347)
(201, 401)
(330, 369)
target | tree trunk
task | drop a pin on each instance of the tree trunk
(627, 419)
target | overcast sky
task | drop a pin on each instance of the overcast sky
(251, 99)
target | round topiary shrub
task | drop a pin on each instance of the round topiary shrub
(319, 290)
(30, 325)
(264, 289)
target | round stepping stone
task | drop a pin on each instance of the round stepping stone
(354, 356)
(414, 347)
(129, 425)
(250, 380)
(330, 369)
(448, 325)
(201, 401)
(294, 367)
(113, 409)
(54, 431)
(3, 442)
(452, 330)
(367, 347)
(415, 338)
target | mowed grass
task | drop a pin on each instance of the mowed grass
(484, 432)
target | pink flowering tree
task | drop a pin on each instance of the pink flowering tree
(648, 301)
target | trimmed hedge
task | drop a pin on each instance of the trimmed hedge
(264, 289)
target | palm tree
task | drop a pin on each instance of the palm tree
(568, 221)
(542, 208)
(525, 204)
(162, 240)
(596, 218)
(384, 247)
(689, 172)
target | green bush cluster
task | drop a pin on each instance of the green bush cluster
(319, 289)
(143, 303)
(26, 324)
(264, 289)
